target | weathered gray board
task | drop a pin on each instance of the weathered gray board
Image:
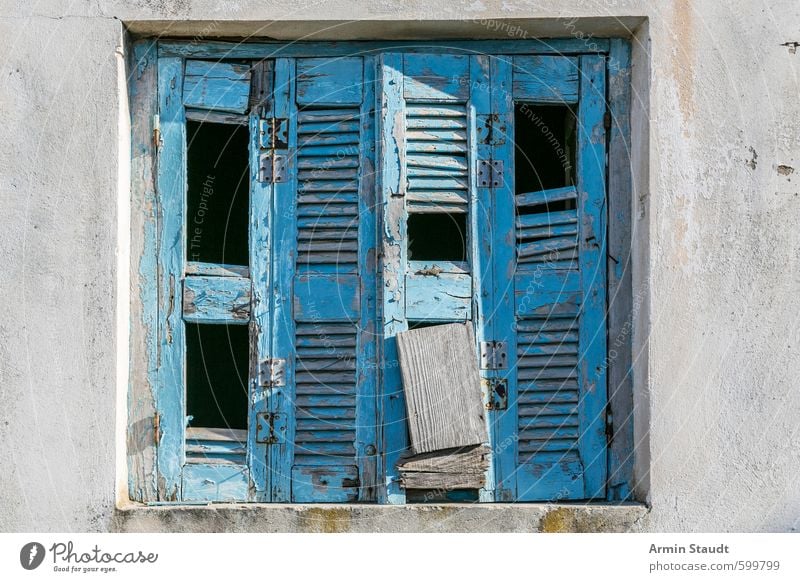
(463, 468)
(441, 381)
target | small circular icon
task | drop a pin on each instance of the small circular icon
(31, 555)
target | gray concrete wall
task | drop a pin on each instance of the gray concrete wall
(717, 166)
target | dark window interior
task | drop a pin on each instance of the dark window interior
(441, 496)
(423, 324)
(217, 375)
(437, 237)
(218, 193)
(544, 153)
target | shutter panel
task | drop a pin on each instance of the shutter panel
(554, 320)
(430, 105)
(325, 284)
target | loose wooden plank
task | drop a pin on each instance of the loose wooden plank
(217, 86)
(439, 367)
(463, 468)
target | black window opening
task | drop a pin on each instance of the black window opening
(217, 370)
(218, 199)
(545, 143)
(440, 236)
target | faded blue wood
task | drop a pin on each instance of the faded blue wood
(393, 433)
(502, 316)
(324, 484)
(327, 298)
(143, 383)
(214, 482)
(436, 77)
(545, 79)
(260, 250)
(171, 250)
(284, 251)
(444, 297)
(260, 50)
(325, 315)
(322, 81)
(369, 329)
(621, 309)
(591, 161)
(216, 300)
(482, 228)
(216, 86)
(546, 196)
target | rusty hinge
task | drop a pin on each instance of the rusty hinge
(270, 428)
(271, 373)
(498, 394)
(273, 133)
(490, 173)
(494, 355)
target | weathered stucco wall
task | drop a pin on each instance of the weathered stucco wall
(716, 157)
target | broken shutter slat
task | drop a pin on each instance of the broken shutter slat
(216, 86)
(442, 387)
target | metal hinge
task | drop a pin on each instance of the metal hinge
(271, 373)
(272, 167)
(490, 173)
(498, 394)
(270, 428)
(273, 135)
(494, 355)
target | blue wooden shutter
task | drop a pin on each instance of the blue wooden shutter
(324, 293)
(550, 281)
(432, 109)
(194, 464)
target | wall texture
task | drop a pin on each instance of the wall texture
(717, 203)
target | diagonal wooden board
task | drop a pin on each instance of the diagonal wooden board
(441, 381)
